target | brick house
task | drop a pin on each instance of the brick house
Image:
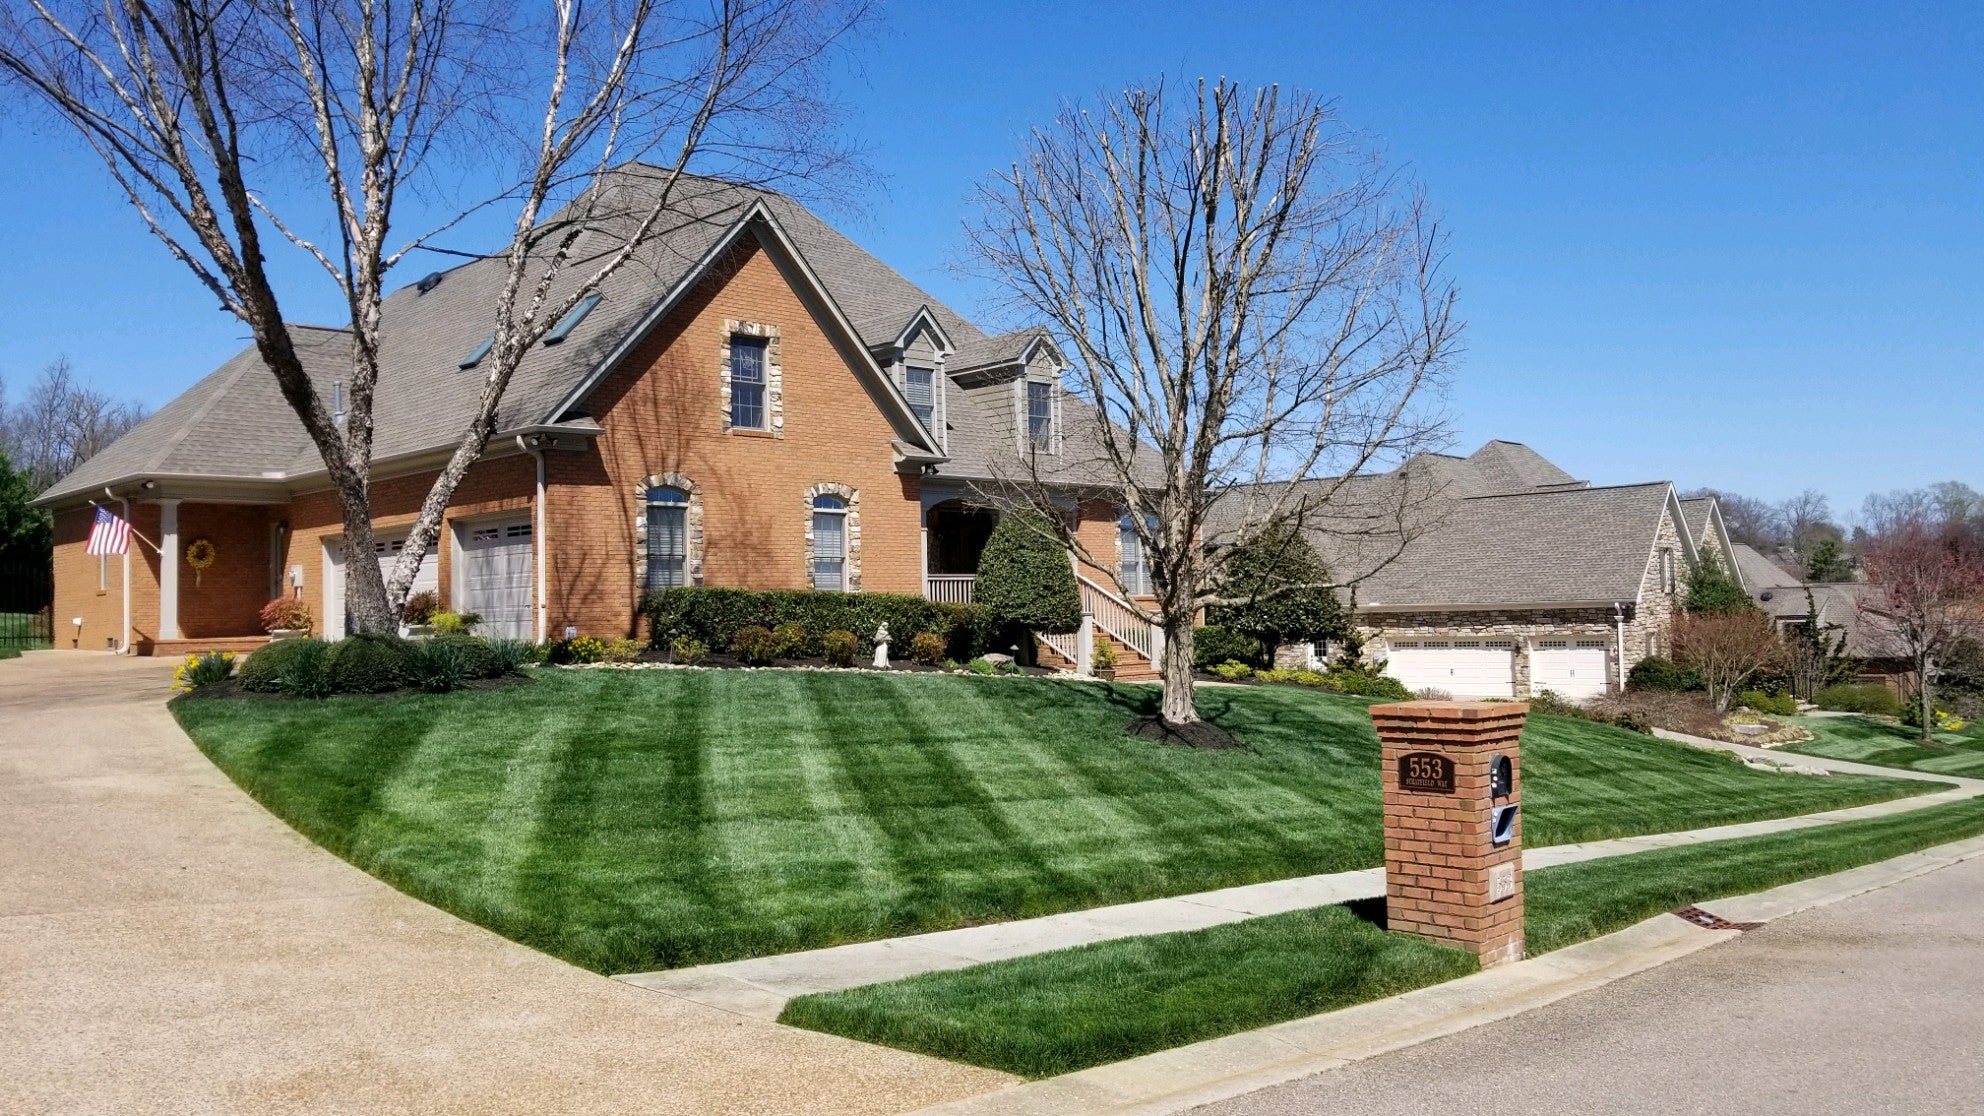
(1499, 575)
(754, 402)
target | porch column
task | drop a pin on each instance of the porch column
(1085, 647)
(168, 569)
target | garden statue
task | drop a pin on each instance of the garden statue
(882, 646)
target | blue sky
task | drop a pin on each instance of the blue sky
(1735, 248)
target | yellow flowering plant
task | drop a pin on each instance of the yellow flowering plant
(203, 669)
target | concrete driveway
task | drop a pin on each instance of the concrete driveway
(1873, 1004)
(167, 946)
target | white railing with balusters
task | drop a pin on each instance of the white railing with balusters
(1121, 619)
(949, 588)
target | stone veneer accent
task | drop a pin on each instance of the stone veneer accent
(694, 521)
(774, 373)
(853, 498)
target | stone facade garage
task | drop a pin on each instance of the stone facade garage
(1508, 576)
(754, 402)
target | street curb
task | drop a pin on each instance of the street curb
(1189, 1076)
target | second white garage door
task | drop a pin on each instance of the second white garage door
(1465, 668)
(1569, 668)
(494, 577)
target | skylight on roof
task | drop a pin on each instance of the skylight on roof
(571, 320)
(482, 350)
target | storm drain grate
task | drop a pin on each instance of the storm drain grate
(1708, 921)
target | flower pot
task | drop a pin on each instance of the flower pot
(1107, 674)
(288, 633)
(419, 631)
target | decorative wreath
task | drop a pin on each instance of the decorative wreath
(200, 554)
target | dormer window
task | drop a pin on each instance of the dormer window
(920, 386)
(1040, 415)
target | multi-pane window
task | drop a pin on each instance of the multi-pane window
(668, 538)
(829, 542)
(920, 385)
(747, 382)
(1136, 576)
(1040, 414)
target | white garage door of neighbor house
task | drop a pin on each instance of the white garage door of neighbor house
(1570, 668)
(1465, 668)
(496, 577)
(387, 549)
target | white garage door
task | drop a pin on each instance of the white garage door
(1570, 668)
(1465, 668)
(387, 549)
(495, 577)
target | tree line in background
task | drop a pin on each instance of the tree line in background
(1804, 535)
(58, 423)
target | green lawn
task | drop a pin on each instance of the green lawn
(1059, 1012)
(1865, 740)
(15, 630)
(632, 820)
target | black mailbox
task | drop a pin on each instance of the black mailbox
(1502, 824)
(1501, 777)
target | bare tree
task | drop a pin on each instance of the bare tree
(1750, 521)
(213, 116)
(1807, 521)
(1255, 306)
(1925, 572)
(1727, 649)
(61, 423)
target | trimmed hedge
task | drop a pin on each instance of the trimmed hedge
(1875, 699)
(1213, 645)
(1656, 672)
(713, 616)
(479, 660)
(367, 663)
(266, 669)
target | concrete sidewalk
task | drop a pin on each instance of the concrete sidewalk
(760, 987)
(168, 946)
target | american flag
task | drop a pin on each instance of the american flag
(109, 534)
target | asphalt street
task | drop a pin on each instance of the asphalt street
(1874, 1004)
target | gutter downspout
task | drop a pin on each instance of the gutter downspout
(538, 532)
(1619, 620)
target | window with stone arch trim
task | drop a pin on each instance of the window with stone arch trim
(692, 565)
(850, 532)
(774, 375)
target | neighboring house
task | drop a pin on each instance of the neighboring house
(1506, 576)
(755, 401)
(1842, 608)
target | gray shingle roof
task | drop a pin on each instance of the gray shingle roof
(1760, 573)
(1501, 527)
(234, 422)
(1574, 545)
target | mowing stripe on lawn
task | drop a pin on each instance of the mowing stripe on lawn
(630, 821)
(1054, 1013)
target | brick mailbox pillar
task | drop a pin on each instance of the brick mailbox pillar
(1453, 826)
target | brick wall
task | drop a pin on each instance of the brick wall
(662, 412)
(226, 599)
(76, 582)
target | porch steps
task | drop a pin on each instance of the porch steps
(1131, 666)
(173, 648)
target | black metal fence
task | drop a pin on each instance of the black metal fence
(27, 607)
